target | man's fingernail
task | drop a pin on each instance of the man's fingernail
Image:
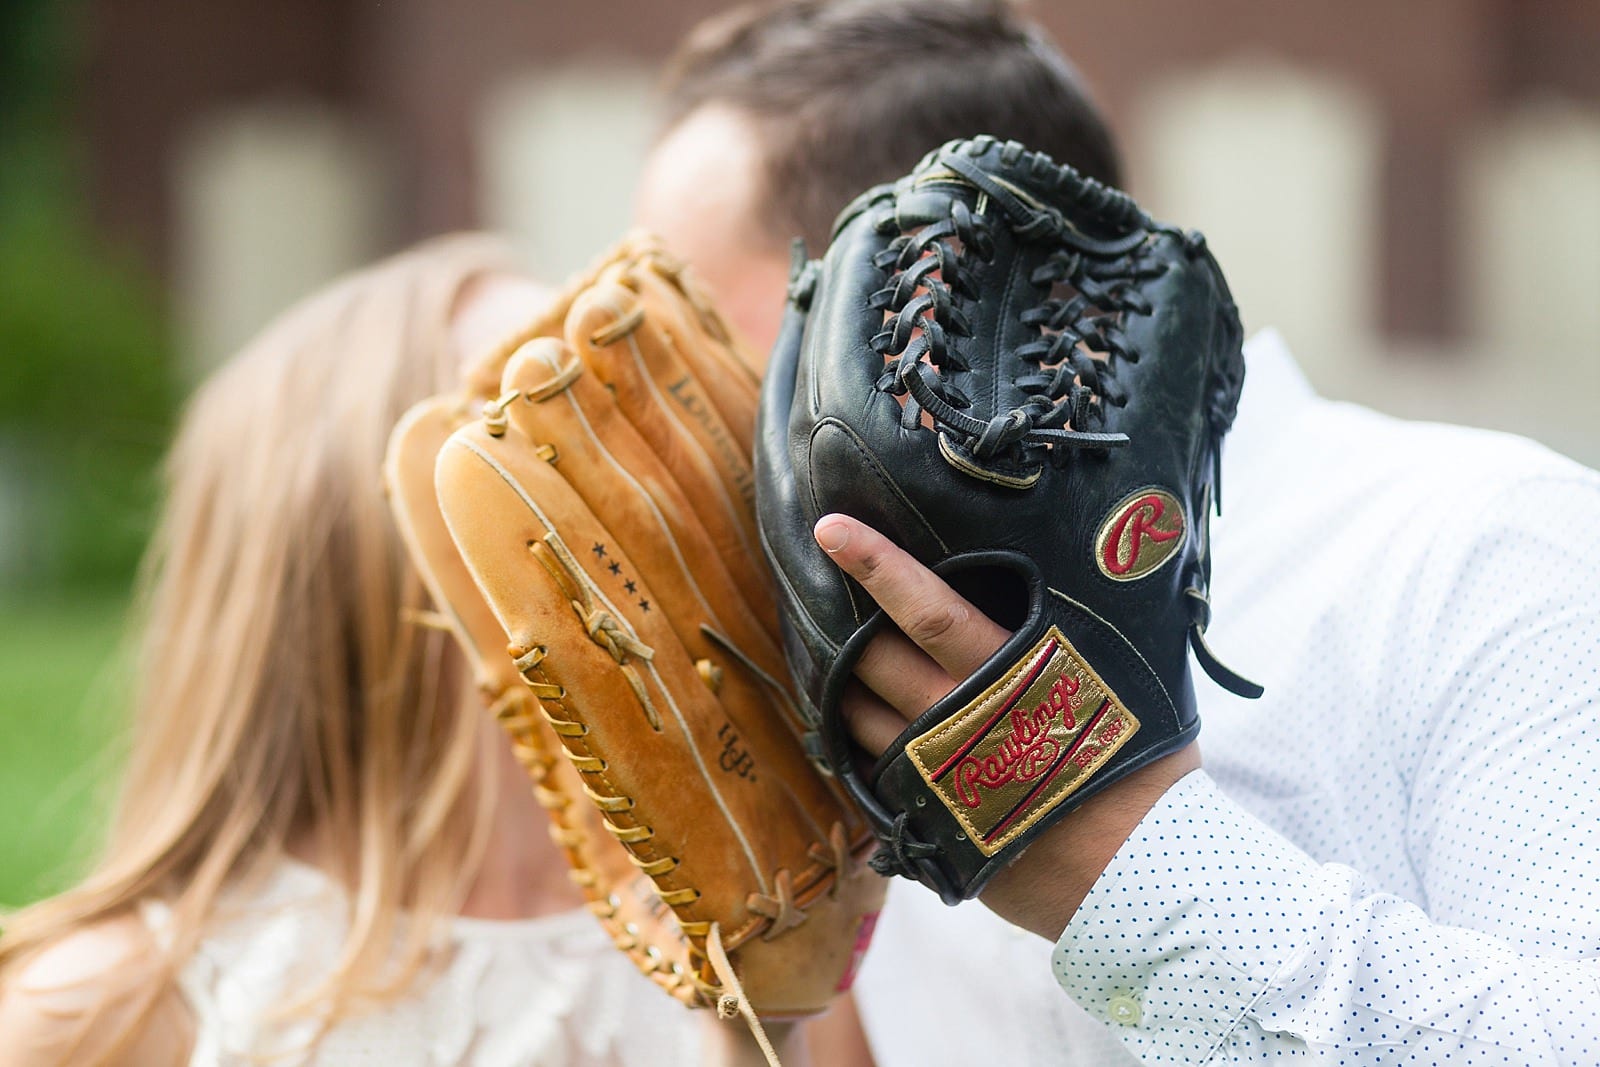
(833, 536)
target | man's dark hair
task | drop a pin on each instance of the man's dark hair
(850, 93)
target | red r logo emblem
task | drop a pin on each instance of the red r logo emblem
(1141, 533)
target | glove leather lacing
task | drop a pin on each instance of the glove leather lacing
(733, 1000)
(901, 851)
(930, 276)
(1088, 319)
(603, 628)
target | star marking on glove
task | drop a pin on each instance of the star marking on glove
(644, 604)
(599, 550)
(616, 568)
(631, 586)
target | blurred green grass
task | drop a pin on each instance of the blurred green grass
(62, 682)
(87, 392)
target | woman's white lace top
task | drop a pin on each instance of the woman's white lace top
(550, 991)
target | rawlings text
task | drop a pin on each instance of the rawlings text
(1028, 752)
(1024, 745)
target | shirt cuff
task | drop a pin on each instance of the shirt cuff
(1198, 911)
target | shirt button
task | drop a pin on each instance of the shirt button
(1124, 1010)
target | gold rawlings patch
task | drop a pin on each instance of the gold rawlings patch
(1024, 745)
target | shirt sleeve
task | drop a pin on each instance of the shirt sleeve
(1212, 939)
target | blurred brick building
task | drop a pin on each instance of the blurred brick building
(1360, 166)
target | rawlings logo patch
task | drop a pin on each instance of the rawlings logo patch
(1141, 533)
(1024, 745)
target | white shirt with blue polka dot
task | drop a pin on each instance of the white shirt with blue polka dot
(1391, 858)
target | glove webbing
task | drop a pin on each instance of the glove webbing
(922, 313)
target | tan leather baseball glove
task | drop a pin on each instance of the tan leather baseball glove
(589, 535)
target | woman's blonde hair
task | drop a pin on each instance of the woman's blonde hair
(283, 698)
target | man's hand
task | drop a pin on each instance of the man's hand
(942, 639)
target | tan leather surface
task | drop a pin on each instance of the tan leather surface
(599, 865)
(606, 536)
(684, 316)
(673, 412)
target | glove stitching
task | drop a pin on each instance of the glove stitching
(782, 910)
(1117, 319)
(822, 867)
(514, 711)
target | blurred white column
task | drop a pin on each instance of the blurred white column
(1533, 229)
(559, 152)
(272, 200)
(1279, 167)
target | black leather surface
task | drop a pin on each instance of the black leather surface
(834, 437)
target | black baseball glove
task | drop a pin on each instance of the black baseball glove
(1020, 378)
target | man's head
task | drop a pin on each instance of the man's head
(778, 115)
